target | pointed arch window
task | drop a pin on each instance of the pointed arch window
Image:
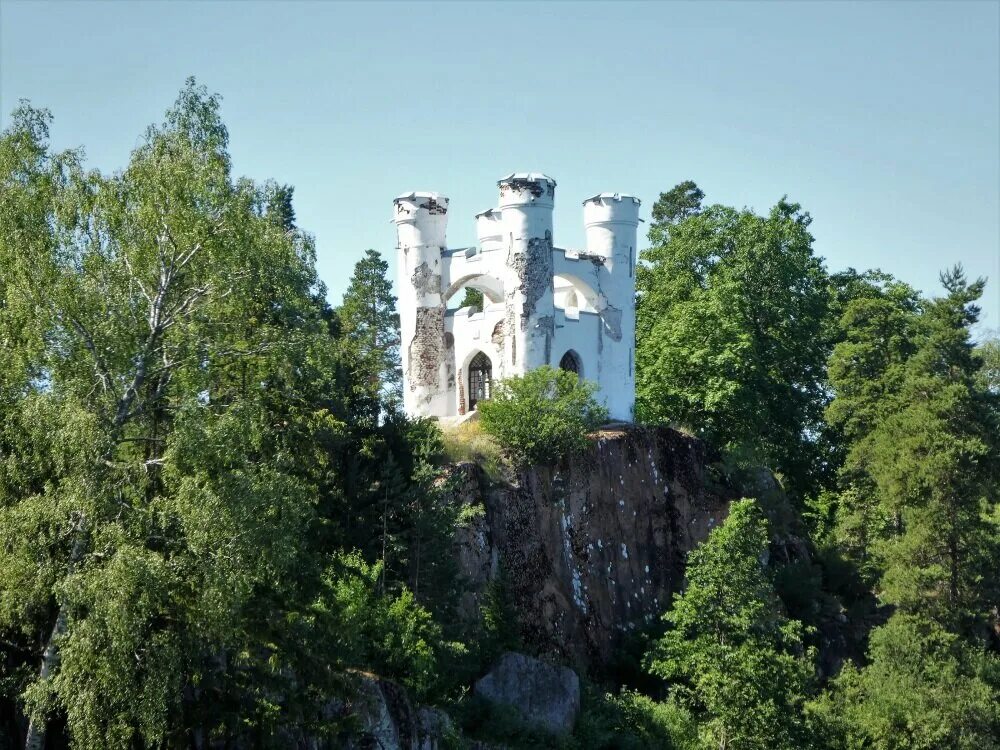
(571, 363)
(480, 379)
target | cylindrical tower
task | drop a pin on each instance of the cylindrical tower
(611, 221)
(526, 203)
(421, 221)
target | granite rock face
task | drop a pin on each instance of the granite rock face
(378, 715)
(594, 547)
(545, 696)
(384, 718)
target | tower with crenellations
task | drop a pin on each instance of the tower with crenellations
(542, 304)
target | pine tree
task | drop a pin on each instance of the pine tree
(370, 325)
(932, 458)
(877, 332)
(678, 203)
(936, 461)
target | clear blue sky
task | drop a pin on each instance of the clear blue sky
(881, 118)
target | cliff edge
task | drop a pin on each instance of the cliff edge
(593, 547)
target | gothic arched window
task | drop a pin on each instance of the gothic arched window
(570, 362)
(480, 379)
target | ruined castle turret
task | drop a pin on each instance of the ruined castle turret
(526, 203)
(421, 220)
(611, 221)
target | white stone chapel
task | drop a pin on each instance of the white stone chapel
(542, 304)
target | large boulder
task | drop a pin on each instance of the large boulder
(545, 696)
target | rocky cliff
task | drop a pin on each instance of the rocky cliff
(592, 548)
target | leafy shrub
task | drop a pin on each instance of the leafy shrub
(500, 631)
(390, 634)
(633, 721)
(543, 415)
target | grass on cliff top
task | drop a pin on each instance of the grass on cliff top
(468, 442)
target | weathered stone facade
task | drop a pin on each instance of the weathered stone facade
(540, 302)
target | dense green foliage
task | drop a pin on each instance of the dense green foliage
(626, 720)
(730, 324)
(916, 507)
(730, 653)
(186, 441)
(472, 298)
(924, 688)
(881, 416)
(543, 415)
(935, 460)
(212, 509)
(147, 458)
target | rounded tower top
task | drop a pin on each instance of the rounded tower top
(421, 218)
(410, 203)
(527, 188)
(611, 208)
(530, 176)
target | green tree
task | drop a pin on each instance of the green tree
(389, 633)
(543, 415)
(370, 324)
(680, 202)
(923, 689)
(989, 352)
(919, 425)
(279, 208)
(729, 652)
(472, 298)
(876, 335)
(168, 397)
(935, 462)
(730, 323)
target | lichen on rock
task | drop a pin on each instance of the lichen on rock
(593, 547)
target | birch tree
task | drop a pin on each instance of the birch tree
(154, 488)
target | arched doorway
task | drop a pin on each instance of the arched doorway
(480, 379)
(571, 363)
